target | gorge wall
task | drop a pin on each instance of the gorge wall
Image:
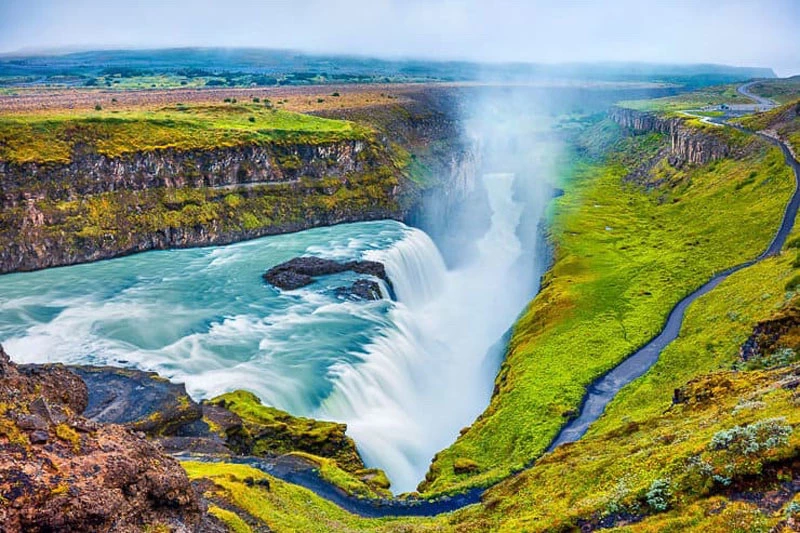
(97, 207)
(687, 144)
(91, 173)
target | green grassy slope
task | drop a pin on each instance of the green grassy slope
(700, 464)
(624, 257)
(784, 120)
(708, 96)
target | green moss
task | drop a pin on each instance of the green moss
(285, 507)
(67, 434)
(462, 465)
(364, 483)
(121, 219)
(9, 429)
(230, 519)
(272, 431)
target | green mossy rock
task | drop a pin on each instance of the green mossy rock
(266, 430)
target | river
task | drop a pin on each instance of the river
(405, 375)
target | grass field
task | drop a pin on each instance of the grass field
(782, 91)
(53, 136)
(784, 120)
(709, 96)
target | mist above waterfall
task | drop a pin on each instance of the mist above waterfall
(430, 375)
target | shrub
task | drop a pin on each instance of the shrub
(320, 100)
(251, 119)
(659, 495)
(335, 94)
(751, 439)
(98, 107)
(256, 99)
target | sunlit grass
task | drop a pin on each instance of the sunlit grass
(708, 96)
(53, 137)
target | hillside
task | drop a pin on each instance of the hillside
(653, 202)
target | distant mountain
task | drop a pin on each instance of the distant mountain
(216, 61)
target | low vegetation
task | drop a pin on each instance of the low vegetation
(708, 96)
(53, 137)
(783, 90)
(271, 431)
(783, 120)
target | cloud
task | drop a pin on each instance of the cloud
(736, 32)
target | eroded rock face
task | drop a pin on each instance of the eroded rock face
(780, 331)
(256, 429)
(91, 173)
(301, 271)
(687, 145)
(62, 472)
(143, 401)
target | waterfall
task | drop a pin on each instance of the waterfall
(415, 267)
(431, 372)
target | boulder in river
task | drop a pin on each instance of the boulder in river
(301, 271)
(362, 289)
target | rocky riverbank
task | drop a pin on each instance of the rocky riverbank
(61, 471)
(99, 438)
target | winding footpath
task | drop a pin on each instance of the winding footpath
(603, 390)
(598, 395)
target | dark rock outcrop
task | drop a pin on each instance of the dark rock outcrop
(301, 271)
(266, 431)
(60, 472)
(142, 401)
(362, 289)
(768, 336)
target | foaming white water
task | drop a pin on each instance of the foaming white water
(415, 267)
(427, 376)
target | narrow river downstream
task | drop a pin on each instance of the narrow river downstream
(405, 376)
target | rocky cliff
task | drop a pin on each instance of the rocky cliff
(92, 173)
(97, 207)
(62, 472)
(687, 144)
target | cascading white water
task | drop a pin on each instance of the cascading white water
(417, 384)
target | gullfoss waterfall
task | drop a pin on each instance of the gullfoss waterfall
(404, 375)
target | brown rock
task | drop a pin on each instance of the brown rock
(105, 479)
(32, 422)
(39, 437)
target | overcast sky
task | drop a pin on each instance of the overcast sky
(735, 32)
